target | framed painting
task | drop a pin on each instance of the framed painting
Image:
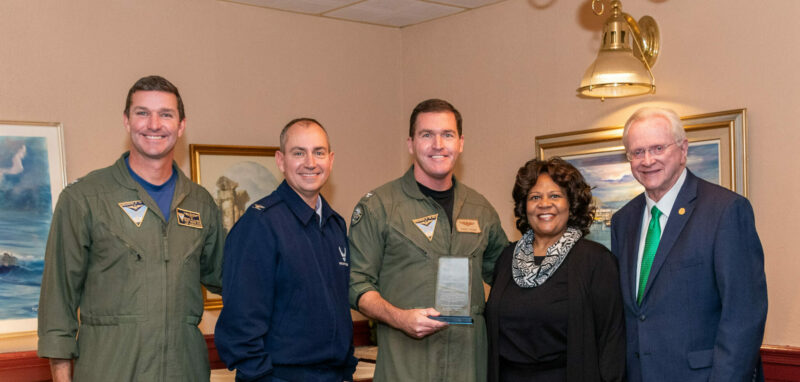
(236, 176)
(717, 153)
(32, 174)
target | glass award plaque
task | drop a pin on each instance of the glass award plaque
(453, 291)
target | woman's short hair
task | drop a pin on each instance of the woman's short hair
(566, 176)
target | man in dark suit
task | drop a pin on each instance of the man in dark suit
(691, 265)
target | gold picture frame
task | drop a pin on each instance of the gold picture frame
(235, 176)
(717, 153)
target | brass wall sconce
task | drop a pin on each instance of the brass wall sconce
(620, 70)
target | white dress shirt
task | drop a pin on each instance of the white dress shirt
(665, 206)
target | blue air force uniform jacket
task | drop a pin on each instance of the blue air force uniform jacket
(285, 293)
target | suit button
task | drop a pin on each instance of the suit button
(641, 318)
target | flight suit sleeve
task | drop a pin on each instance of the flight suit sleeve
(248, 297)
(366, 247)
(211, 260)
(496, 243)
(65, 268)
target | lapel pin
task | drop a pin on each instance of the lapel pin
(681, 211)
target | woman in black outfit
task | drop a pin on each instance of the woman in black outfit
(555, 310)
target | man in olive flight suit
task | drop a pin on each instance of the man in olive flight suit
(399, 232)
(129, 245)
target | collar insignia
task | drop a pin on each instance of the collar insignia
(468, 225)
(135, 210)
(427, 225)
(188, 218)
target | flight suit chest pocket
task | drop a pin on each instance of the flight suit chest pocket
(407, 241)
(115, 280)
(191, 256)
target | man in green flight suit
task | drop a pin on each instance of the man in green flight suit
(129, 246)
(399, 232)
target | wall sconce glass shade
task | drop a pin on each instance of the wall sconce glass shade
(622, 69)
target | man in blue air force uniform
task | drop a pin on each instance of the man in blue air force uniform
(286, 274)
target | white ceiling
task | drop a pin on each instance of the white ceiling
(393, 13)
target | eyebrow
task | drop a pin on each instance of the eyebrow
(161, 110)
(304, 149)
(441, 131)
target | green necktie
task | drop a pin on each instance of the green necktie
(650, 247)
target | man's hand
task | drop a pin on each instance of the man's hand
(413, 322)
(61, 369)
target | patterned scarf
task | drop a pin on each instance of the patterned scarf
(529, 275)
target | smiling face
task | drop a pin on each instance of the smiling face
(657, 173)
(307, 162)
(435, 146)
(547, 210)
(154, 125)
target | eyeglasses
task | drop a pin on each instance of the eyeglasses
(655, 150)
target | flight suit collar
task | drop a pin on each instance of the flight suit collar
(411, 189)
(304, 213)
(123, 177)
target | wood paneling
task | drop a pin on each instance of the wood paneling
(781, 363)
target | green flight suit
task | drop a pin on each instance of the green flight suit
(137, 287)
(391, 254)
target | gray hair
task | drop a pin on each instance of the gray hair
(644, 113)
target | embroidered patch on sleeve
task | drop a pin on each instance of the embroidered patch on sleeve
(358, 212)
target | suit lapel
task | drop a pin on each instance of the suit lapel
(631, 247)
(675, 224)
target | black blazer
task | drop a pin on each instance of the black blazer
(595, 328)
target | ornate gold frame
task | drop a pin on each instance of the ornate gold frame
(196, 152)
(729, 127)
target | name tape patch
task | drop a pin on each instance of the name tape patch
(188, 218)
(468, 225)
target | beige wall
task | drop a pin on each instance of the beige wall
(511, 68)
(243, 73)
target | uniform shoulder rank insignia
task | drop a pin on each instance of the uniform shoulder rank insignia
(427, 225)
(135, 210)
(468, 225)
(188, 218)
(258, 206)
(368, 195)
(358, 212)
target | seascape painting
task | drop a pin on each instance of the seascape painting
(613, 185)
(28, 188)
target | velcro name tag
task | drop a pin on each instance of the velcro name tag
(468, 225)
(188, 218)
